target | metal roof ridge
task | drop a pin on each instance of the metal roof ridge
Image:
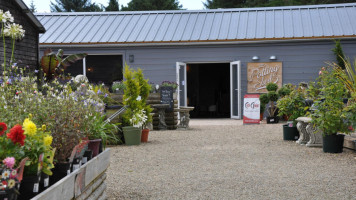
(203, 10)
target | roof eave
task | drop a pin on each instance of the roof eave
(31, 16)
(187, 43)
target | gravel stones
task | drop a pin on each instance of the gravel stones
(223, 159)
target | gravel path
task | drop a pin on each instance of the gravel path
(223, 159)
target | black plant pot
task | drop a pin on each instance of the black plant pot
(60, 170)
(272, 120)
(333, 143)
(87, 156)
(29, 187)
(77, 162)
(290, 133)
(8, 194)
(44, 182)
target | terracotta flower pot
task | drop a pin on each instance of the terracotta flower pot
(144, 136)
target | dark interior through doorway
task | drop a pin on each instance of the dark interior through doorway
(208, 90)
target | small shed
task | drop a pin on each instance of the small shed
(26, 50)
(216, 56)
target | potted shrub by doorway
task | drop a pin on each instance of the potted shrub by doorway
(292, 106)
(331, 114)
(272, 96)
(135, 94)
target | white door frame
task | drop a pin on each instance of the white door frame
(238, 90)
(178, 65)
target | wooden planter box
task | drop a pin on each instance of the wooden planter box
(87, 182)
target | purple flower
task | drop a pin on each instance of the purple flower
(106, 95)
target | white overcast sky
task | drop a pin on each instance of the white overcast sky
(43, 5)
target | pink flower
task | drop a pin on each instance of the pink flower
(9, 162)
(320, 73)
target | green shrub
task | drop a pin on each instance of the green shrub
(271, 87)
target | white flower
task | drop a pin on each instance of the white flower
(6, 174)
(15, 31)
(6, 17)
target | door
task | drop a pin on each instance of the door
(235, 87)
(181, 70)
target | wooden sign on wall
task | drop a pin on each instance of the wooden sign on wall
(259, 74)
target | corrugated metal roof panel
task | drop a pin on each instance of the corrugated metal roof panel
(334, 20)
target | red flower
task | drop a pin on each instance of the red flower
(3, 128)
(16, 135)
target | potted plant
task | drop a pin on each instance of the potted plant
(283, 91)
(100, 132)
(133, 118)
(272, 96)
(264, 101)
(118, 87)
(144, 93)
(292, 106)
(331, 115)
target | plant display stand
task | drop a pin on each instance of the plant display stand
(87, 182)
(184, 116)
(315, 135)
(301, 126)
(162, 115)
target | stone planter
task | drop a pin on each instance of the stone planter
(87, 182)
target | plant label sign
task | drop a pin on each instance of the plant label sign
(251, 109)
(260, 74)
(167, 97)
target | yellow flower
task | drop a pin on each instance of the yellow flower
(11, 183)
(43, 127)
(47, 140)
(29, 127)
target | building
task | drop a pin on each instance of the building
(26, 50)
(216, 56)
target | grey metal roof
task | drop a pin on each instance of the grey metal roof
(271, 23)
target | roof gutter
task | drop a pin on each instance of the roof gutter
(31, 16)
(103, 45)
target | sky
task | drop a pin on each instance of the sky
(43, 5)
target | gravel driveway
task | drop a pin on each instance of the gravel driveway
(223, 159)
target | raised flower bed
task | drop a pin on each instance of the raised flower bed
(87, 182)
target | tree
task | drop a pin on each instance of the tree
(113, 6)
(33, 7)
(75, 6)
(137, 5)
(213, 4)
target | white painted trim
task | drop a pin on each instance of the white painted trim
(238, 63)
(84, 67)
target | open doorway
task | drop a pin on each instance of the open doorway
(208, 90)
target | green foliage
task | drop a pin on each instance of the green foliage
(138, 5)
(339, 53)
(213, 4)
(136, 93)
(283, 91)
(32, 7)
(264, 99)
(113, 6)
(118, 86)
(98, 129)
(75, 6)
(54, 65)
(144, 93)
(272, 96)
(292, 105)
(271, 87)
(262, 108)
(331, 115)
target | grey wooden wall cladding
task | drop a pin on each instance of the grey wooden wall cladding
(26, 50)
